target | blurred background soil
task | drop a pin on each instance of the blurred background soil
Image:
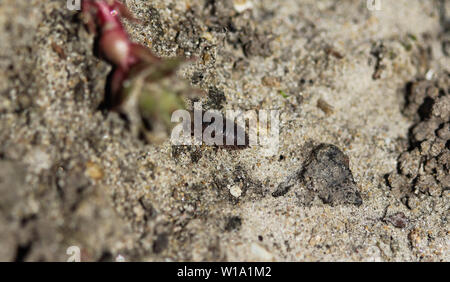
(362, 170)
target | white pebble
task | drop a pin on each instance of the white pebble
(242, 5)
(235, 191)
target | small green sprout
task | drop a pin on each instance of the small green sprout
(282, 93)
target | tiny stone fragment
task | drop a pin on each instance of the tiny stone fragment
(271, 81)
(236, 191)
(398, 220)
(242, 5)
(325, 107)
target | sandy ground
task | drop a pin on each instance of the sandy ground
(338, 73)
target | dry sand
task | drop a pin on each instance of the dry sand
(71, 175)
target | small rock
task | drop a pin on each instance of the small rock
(398, 220)
(242, 5)
(94, 171)
(236, 191)
(271, 81)
(325, 107)
(328, 175)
